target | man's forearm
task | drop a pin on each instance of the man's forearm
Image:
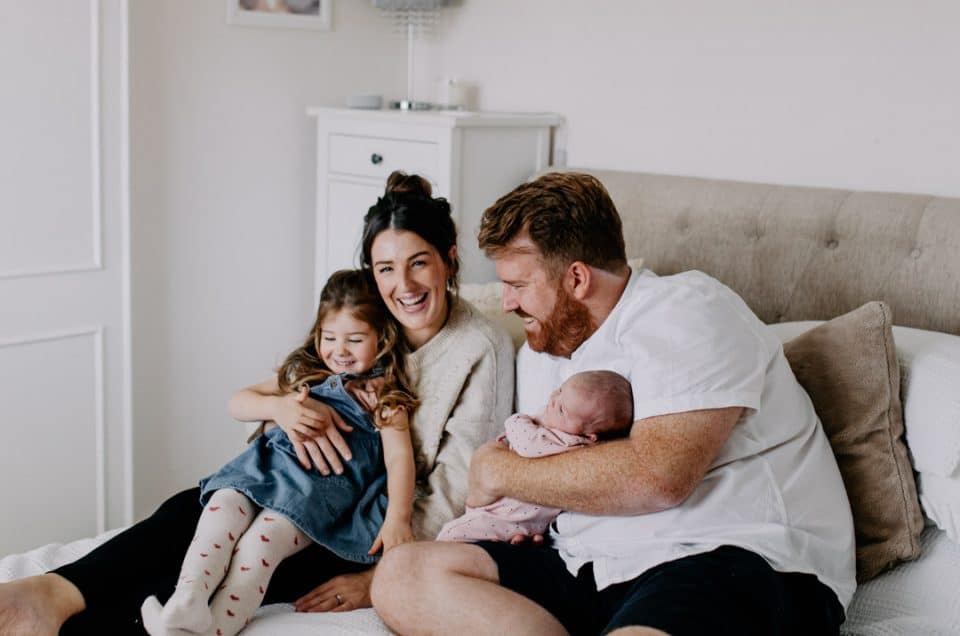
(657, 467)
(605, 479)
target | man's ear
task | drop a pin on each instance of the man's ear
(579, 278)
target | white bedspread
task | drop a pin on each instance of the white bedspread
(270, 621)
(918, 598)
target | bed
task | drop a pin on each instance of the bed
(801, 258)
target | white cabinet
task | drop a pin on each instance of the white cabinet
(470, 158)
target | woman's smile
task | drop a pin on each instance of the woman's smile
(413, 303)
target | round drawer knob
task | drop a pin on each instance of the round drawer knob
(376, 159)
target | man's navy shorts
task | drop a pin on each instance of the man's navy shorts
(727, 591)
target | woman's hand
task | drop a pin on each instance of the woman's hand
(392, 533)
(365, 392)
(293, 417)
(314, 429)
(339, 594)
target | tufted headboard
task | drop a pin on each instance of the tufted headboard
(798, 253)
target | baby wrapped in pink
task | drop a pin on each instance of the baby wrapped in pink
(506, 517)
(587, 405)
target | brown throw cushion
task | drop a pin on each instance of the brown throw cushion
(849, 367)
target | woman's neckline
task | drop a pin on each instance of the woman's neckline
(439, 341)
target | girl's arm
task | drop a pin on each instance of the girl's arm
(401, 474)
(311, 425)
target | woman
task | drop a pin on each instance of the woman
(459, 365)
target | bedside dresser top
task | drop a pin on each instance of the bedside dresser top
(443, 118)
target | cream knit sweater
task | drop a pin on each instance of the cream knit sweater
(464, 378)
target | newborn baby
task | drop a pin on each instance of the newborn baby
(589, 406)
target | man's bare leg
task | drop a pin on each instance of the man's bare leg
(452, 588)
(38, 605)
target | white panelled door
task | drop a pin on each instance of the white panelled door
(64, 302)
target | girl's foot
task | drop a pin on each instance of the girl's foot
(156, 622)
(188, 609)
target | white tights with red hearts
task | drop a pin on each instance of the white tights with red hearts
(234, 553)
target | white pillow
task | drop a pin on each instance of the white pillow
(930, 389)
(940, 498)
(488, 299)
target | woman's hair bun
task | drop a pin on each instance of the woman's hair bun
(401, 183)
(408, 205)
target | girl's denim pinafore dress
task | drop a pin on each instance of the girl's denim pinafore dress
(343, 513)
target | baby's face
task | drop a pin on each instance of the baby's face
(570, 408)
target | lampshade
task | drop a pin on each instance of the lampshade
(412, 18)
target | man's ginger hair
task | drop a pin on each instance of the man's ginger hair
(569, 216)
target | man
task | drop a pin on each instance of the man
(723, 511)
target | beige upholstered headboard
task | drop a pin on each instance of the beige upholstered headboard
(797, 253)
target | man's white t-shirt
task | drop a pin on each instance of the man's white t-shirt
(687, 342)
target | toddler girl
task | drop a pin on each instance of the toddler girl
(264, 506)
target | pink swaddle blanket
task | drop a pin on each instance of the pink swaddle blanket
(506, 517)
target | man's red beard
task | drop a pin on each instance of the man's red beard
(564, 329)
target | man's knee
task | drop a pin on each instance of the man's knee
(393, 568)
(398, 576)
(412, 568)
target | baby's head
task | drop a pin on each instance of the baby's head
(591, 403)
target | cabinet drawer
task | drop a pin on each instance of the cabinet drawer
(378, 157)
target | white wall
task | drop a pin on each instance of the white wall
(223, 160)
(854, 94)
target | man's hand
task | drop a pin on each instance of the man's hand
(314, 429)
(483, 473)
(482, 491)
(339, 594)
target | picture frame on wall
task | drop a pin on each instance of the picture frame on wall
(291, 14)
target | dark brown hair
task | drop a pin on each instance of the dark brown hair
(351, 289)
(569, 216)
(615, 394)
(408, 204)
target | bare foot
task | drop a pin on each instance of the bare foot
(37, 605)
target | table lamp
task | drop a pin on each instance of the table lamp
(412, 18)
